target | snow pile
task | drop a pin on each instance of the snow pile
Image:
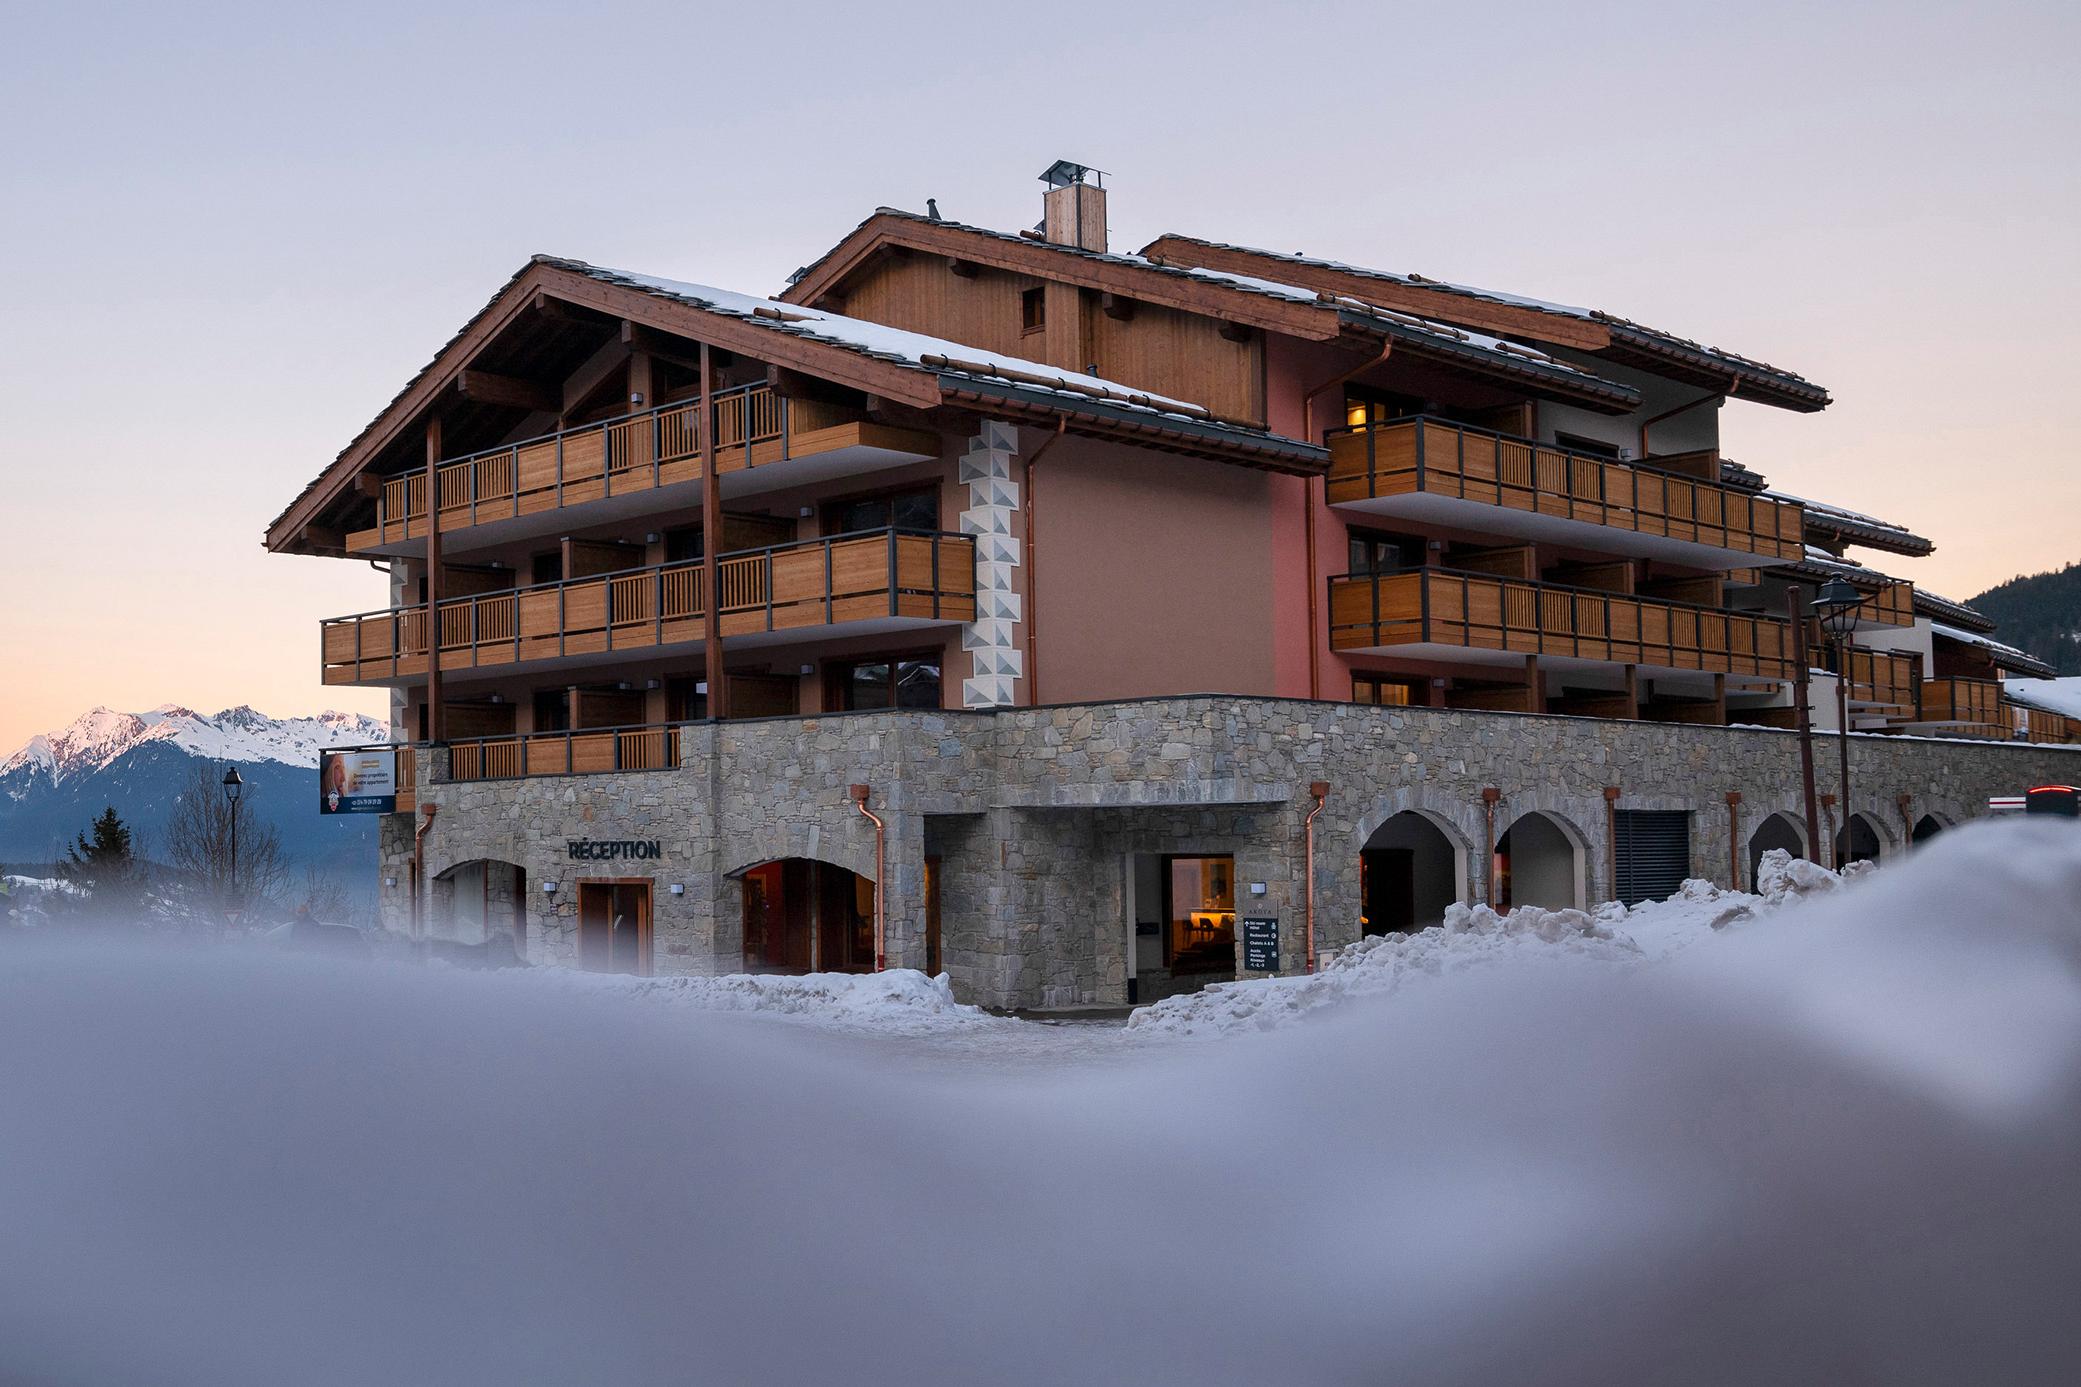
(1478, 937)
(1840, 1152)
(1470, 937)
(900, 1001)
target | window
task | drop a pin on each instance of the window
(552, 710)
(1596, 447)
(1374, 551)
(916, 509)
(1382, 690)
(546, 567)
(683, 544)
(1200, 906)
(884, 683)
(1362, 406)
(1033, 309)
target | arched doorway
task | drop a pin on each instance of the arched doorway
(802, 915)
(1856, 841)
(1539, 862)
(1410, 870)
(1926, 828)
(1777, 831)
(481, 902)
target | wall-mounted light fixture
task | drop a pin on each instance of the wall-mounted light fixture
(809, 669)
(650, 536)
(806, 511)
(636, 397)
(390, 881)
(676, 889)
(548, 888)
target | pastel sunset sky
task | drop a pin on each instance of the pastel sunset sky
(232, 232)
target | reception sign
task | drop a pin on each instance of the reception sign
(358, 782)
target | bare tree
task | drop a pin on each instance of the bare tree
(326, 895)
(199, 844)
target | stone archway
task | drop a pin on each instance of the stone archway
(1541, 859)
(480, 901)
(1780, 830)
(806, 915)
(1411, 867)
(1859, 840)
(1926, 828)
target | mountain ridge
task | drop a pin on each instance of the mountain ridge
(2039, 613)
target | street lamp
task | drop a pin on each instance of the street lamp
(234, 785)
(1836, 609)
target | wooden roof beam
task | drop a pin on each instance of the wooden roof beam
(509, 391)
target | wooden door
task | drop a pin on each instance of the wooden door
(614, 925)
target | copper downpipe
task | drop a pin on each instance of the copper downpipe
(418, 870)
(881, 882)
(1321, 790)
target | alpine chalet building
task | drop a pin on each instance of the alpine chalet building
(1093, 626)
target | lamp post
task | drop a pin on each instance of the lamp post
(234, 785)
(1836, 609)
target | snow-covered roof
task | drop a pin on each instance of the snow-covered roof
(1623, 330)
(2005, 656)
(1957, 613)
(2060, 695)
(1819, 563)
(1490, 352)
(1857, 527)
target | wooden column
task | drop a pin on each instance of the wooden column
(1631, 675)
(1535, 686)
(1719, 699)
(436, 709)
(711, 546)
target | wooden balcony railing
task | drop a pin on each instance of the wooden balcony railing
(581, 751)
(1479, 611)
(1437, 457)
(1974, 704)
(2037, 725)
(639, 452)
(1886, 679)
(1892, 605)
(921, 574)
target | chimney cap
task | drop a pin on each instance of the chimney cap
(1062, 173)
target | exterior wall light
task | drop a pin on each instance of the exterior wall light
(390, 881)
(548, 888)
(676, 889)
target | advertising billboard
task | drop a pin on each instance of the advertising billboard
(357, 781)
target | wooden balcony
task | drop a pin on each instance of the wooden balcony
(1453, 474)
(1888, 682)
(1892, 605)
(1964, 708)
(875, 580)
(583, 751)
(1445, 614)
(522, 487)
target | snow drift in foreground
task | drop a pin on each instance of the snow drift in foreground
(1478, 937)
(1837, 1145)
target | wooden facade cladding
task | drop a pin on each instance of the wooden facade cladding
(920, 576)
(1164, 350)
(1436, 457)
(1479, 611)
(639, 452)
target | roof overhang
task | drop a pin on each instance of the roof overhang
(1615, 339)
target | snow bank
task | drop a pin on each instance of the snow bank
(1477, 937)
(1839, 1152)
(1384, 964)
(903, 1001)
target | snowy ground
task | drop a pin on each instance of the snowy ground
(1716, 1140)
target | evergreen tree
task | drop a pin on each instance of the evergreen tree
(102, 862)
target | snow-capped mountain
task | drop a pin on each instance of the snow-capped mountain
(239, 735)
(140, 763)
